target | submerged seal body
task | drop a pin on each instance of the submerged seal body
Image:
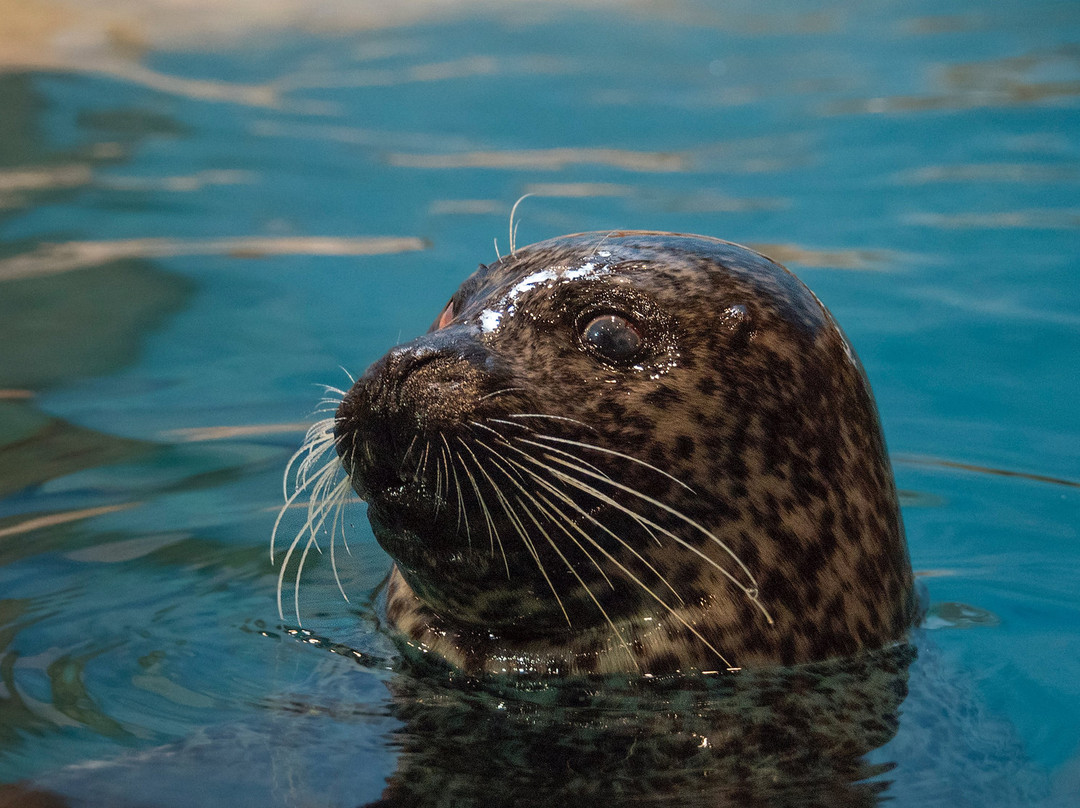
(630, 452)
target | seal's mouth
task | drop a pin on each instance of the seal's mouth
(409, 508)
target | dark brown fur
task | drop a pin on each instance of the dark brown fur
(746, 392)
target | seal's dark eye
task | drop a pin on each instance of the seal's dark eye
(447, 315)
(612, 337)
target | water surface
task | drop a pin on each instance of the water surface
(199, 227)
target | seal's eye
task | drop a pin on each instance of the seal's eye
(612, 337)
(447, 315)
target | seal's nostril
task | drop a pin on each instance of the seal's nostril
(406, 359)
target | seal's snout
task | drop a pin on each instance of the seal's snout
(407, 405)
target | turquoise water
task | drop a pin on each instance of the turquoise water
(194, 240)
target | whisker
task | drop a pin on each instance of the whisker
(578, 460)
(561, 522)
(513, 227)
(528, 541)
(312, 470)
(352, 449)
(315, 444)
(338, 393)
(493, 533)
(551, 418)
(501, 499)
(568, 455)
(751, 592)
(605, 450)
(662, 506)
(495, 432)
(302, 482)
(503, 440)
(457, 488)
(645, 588)
(318, 512)
(421, 468)
(510, 513)
(550, 487)
(607, 618)
(501, 392)
(438, 483)
(300, 572)
(408, 451)
(338, 497)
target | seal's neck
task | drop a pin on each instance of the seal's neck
(658, 644)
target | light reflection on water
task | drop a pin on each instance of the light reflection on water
(199, 227)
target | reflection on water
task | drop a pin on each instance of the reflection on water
(782, 737)
(205, 214)
(53, 258)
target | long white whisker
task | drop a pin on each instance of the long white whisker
(564, 497)
(316, 442)
(492, 531)
(339, 497)
(607, 451)
(338, 392)
(645, 588)
(310, 470)
(421, 469)
(495, 432)
(568, 455)
(578, 461)
(662, 506)
(562, 523)
(318, 511)
(750, 592)
(511, 515)
(549, 418)
(303, 481)
(574, 572)
(528, 541)
(457, 488)
(408, 451)
(501, 392)
(504, 441)
(439, 482)
(513, 227)
(299, 572)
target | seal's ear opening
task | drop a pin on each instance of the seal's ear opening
(736, 319)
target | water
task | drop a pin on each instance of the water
(202, 220)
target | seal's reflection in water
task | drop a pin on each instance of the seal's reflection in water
(793, 736)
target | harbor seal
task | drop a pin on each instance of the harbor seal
(629, 452)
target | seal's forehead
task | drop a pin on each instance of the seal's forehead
(538, 265)
(583, 254)
(576, 257)
(699, 265)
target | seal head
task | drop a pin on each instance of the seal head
(630, 452)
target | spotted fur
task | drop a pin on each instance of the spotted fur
(722, 500)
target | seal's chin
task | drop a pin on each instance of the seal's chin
(420, 531)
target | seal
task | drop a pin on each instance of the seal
(627, 452)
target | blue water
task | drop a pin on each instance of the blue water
(917, 164)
